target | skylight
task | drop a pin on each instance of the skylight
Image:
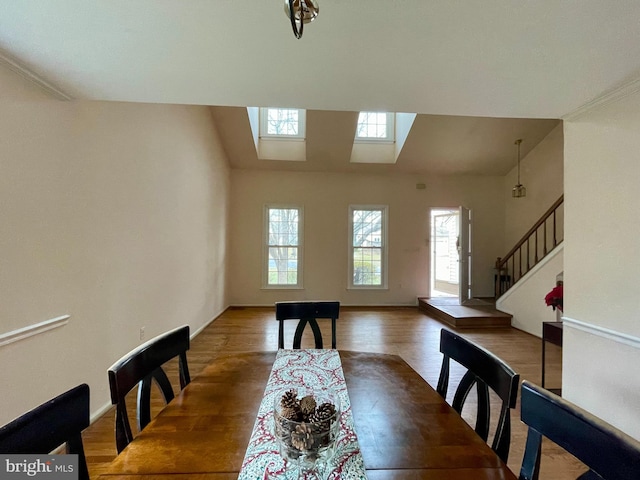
(375, 126)
(282, 122)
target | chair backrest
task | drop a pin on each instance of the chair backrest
(140, 367)
(307, 313)
(608, 452)
(484, 369)
(46, 427)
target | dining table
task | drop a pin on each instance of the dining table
(402, 428)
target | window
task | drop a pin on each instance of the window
(283, 245)
(282, 122)
(368, 247)
(375, 126)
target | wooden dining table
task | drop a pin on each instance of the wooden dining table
(405, 430)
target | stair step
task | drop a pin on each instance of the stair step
(478, 313)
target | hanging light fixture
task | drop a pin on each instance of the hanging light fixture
(519, 190)
(300, 12)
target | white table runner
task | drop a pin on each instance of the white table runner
(310, 368)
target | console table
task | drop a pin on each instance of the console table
(552, 333)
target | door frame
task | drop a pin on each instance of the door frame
(464, 255)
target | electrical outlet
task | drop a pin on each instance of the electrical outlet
(141, 333)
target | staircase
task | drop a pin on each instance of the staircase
(478, 313)
(545, 235)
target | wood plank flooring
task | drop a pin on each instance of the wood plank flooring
(403, 331)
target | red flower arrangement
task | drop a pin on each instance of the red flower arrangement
(554, 297)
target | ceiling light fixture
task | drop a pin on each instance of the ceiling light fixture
(519, 190)
(300, 12)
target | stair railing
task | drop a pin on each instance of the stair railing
(546, 234)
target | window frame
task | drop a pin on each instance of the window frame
(390, 129)
(384, 248)
(266, 244)
(302, 116)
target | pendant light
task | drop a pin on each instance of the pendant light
(519, 190)
(300, 12)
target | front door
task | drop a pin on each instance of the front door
(451, 253)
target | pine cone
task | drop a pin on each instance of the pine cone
(290, 400)
(290, 413)
(302, 438)
(307, 405)
(321, 420)
(326, 410)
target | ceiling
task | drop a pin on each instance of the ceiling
(479, 74)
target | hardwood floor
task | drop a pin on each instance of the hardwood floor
(403, 331)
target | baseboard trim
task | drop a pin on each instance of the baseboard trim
(382, 305)
(602, 332)
(213, 319)
(100, 412)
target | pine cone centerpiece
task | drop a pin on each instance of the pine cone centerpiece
(305, 426)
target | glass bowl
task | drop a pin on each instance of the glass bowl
(306, 425)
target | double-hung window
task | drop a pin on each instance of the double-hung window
(283, 247)
(368, 246)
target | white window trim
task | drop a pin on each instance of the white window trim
(302, 117)
(391, 131)
(385, 248)
(265, 248)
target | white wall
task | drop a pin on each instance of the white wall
(542, 173)
(326, 199)
(525, 301)
(112, 213)
(601, 307)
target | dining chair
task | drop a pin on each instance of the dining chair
(43, 429)
(140, 367)
(485, 370)
(307, 313)
(609, 453)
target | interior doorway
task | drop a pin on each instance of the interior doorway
(450, 266)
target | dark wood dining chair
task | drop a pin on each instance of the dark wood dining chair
(42, 430)
(140, 367)
(609, 453)
(307, 313)
(485, 370)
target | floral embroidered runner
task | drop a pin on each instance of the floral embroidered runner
(310, 368)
